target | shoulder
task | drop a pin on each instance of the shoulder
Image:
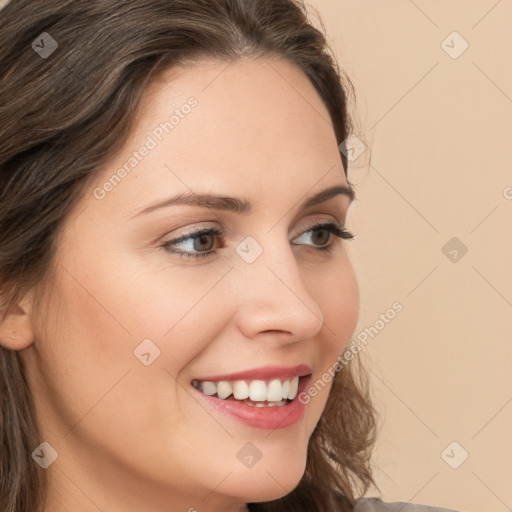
(377, 505)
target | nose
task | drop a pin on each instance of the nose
(274, 300)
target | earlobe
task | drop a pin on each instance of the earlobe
(16, 331)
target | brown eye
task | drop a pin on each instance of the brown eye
(321, 240)
(325, 230)
(202, 242)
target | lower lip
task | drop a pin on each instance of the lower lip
(270, 418)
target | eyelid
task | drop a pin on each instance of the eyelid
(193, 231)
(201, 227)
(319, 222)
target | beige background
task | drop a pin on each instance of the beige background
(438, 131)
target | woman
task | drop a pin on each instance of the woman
(141, 371)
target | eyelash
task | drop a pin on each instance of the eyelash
(329, 226)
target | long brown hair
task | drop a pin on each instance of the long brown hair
(64, 114)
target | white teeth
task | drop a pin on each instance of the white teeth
(224, 389)
(209, 388)
(285, 388)
(275, 392)
(294, 386)
(240, 390)
(257, 391)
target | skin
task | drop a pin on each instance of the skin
(134, 437)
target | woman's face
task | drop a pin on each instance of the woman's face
(132, 324)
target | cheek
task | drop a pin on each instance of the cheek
(180, 310)
(89, 369)
(120, 297)
(340, 304)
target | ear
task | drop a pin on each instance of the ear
(16, 331)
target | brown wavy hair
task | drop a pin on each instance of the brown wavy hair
(63, 116)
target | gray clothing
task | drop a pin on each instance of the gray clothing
(377, 505)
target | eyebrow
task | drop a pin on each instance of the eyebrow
(240, 205)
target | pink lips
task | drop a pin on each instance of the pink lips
(263, 373)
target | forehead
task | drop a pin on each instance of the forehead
(256, 124)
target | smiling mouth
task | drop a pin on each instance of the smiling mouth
(276, 392)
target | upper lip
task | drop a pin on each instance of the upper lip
(263, 373)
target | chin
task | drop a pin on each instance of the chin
(268, 482)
